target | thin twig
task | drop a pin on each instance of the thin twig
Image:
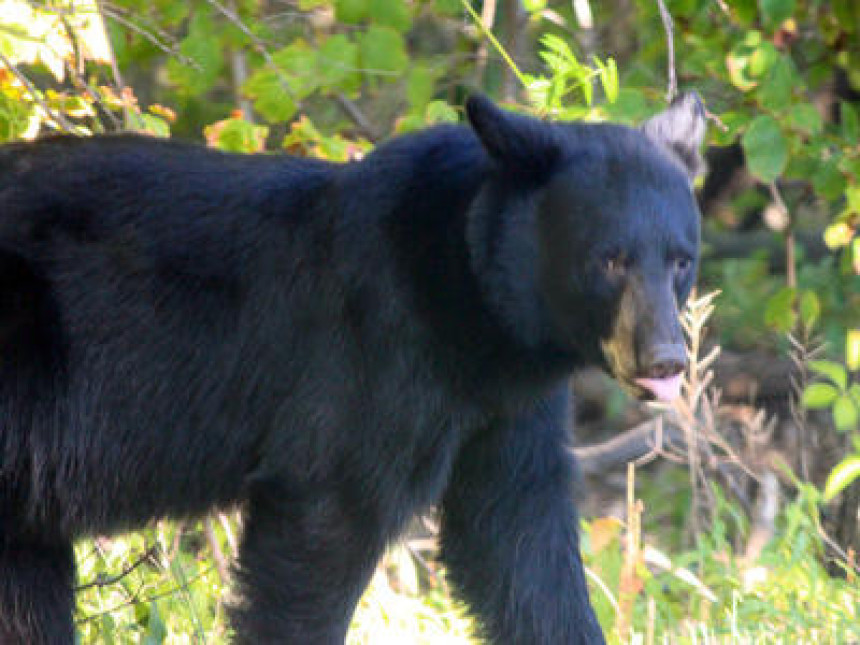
(217, 555)
(56, 117)
(114, 66)
(495, 42)
(356, 116)
(258, 44)
(488, 18)
(152, 37)
(228, 533)
(106, 581)
(239, 68)
(790, 263)
(666, 17)
(81, 82)
(76, 70)
(147, 599)
(767, 509)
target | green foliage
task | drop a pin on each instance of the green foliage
(846, 472)
(719, 596)
(765, 148)
(841, 396)
(149, 587)
(567, 75)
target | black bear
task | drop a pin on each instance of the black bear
(334, 347)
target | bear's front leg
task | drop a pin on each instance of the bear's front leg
(509, 532)
(36, 591)
(303, 564)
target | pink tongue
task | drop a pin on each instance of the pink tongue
(663, 389)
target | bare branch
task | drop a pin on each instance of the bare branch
(666, 17)
(488, 17)
(790, 263)
(171, 49)
(357, 116)
(258, 44)
(106, 581)
(61, 121)
(217, 555)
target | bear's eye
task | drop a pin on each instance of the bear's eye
(682, 264)
(615, 266)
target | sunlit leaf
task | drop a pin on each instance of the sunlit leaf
(845, 413)
(847, 471)
(383, 51)
(441, 112)
(350, 11)
(390, 13)
(833, 371)
(819, 395)
(852, 350)
(810, 308)
(338, 64)
(779, 311)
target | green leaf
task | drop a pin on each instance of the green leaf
(833, 371)
(779, 310)
(775, 91)
(776, 11)
(298, 62)
(276, 92)
(390, 13)
(350, 12)
(156, 630)
(854, 392)
(420, 83)
(441, 112)
(845, 414)
(762, 59)
(849, 123)
(852, 350)
(747, 10)
(818, 396)
(765, 149)
(608, 78)
(805, 118)
(810, 308)
(828, 181)
(841, 476)
(631, 106)
(338, 64)
(382, 50)
(202, 48)
(272, 96)
(452, 8)
(237, 135)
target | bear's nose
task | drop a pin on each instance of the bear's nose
(666, 360)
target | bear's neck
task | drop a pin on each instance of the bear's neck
(470, 258)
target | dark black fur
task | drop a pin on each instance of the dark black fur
(336, 347)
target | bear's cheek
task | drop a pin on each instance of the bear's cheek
(617, 344)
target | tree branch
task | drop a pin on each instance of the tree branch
(666, 17)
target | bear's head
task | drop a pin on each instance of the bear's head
(585, 237)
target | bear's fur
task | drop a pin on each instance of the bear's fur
(335, 348)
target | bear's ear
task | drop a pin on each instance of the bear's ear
(681, 129)
(520, 143)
